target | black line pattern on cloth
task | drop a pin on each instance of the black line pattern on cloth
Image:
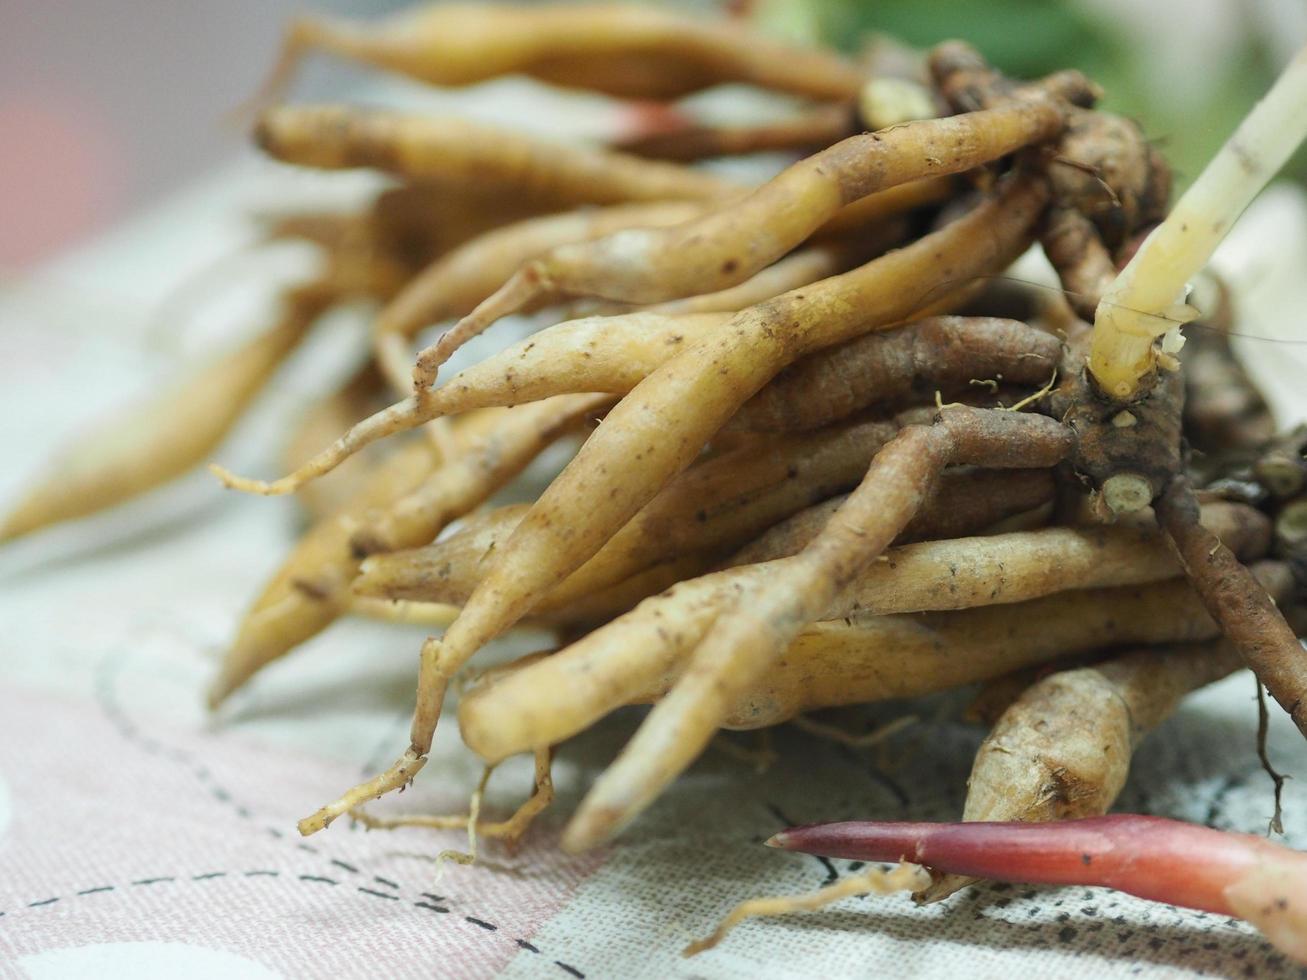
(106, 698)
(269, 873)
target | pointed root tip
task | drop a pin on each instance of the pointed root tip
(226, 682)
(261, 131)
(781, 841)
(245, 485)
(700, 946)
(216, 695)
(31, 513)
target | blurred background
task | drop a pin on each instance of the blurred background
(107, 106)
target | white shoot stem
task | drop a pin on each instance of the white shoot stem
(1147, 298)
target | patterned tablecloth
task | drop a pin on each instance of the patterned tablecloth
(140, 838)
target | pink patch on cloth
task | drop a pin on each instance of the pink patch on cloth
(61, 174)
(121, 831)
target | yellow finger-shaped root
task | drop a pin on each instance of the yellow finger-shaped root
(966, 503)
(748, 637)
(517, 706)
(584, 612)
(829, 666)
(615, 664)
(638, 658)
(594, 354)
(311, 589)
(660, 427)
(169, 435)
(710, 508)
(873, 881)
(626, 50)
(449, 570)
(791, 272)
(514, 438)
(435, 615)
(1062, 750)
(455, 283)
(418, 582)
(417, 147)
(738, 239)
(730, 244)
(1012, 567)
(939, 354)
(964, 572)
(801, 268)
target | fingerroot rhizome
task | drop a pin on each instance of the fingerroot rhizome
(821, 439)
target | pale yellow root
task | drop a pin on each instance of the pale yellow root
(661, 426)
(754, 630)
(463, 153)
(750, 489)
(710, 508)
(892, 368)
(169, 435)
(437, 615)
(456, 282)
(732, 243)
(904, 877)
(625, 50)
(857, 661)
(1024, 565)
(799, 268)
(510, 831)
(515, 708)
(489, 462)
(382, 582)
(967, 503)
(405, 502)
(595, 353)
(592, 354)
(1062, 750)
(637, 658)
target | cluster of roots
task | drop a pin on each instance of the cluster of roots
(825, 451)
